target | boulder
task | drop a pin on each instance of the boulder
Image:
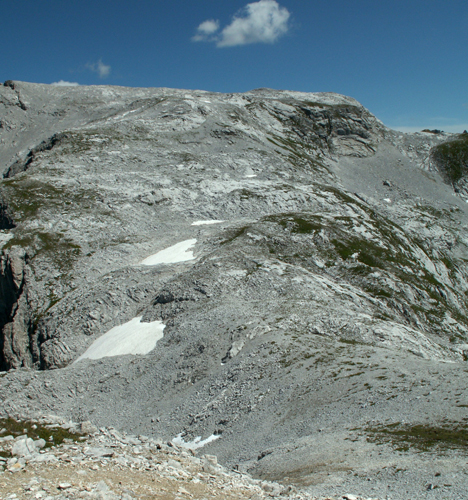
(24, 448)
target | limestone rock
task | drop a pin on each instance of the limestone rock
(88, 428)
(24, 448)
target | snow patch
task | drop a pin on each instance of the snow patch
(198, 442)
(132, 337)
(206, 222)
(251, 175)
(176, 253)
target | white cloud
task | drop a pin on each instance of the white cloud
(206, 29)
(103, 70)
(258, 22)
(63, 83)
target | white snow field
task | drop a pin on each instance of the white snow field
(132, 337)
(196, 443)
(206, 222)
(176, 253)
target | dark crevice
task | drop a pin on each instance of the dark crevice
(6, 221)
(9, 295)
(23, 165)
(16, 325)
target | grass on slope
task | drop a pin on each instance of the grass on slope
(404, 437)
(370, 252)
(451, 158)
(52, 435)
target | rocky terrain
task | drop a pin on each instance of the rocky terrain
(108, 465)
(274, 275)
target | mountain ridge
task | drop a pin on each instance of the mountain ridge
(328, 240)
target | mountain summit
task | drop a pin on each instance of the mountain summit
(275, 272)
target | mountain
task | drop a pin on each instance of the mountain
(309, 316)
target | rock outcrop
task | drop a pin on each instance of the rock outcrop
(15, 312)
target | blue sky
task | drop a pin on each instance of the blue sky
(407, 61)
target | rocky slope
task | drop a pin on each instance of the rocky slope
(108, 465)
(325, 301)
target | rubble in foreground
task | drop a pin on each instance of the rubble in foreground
(109, 465)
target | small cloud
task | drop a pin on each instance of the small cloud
(258, 22)
(63, 83)
(103, 70)
(206, 29)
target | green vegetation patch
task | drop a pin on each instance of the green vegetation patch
(234, 234)
(61, 250)
(297, 224)
(247, 194)
(340, 243)
(28, 196)
(300, 154)
(52, 436)
(351, 341)
(451, 158)
(354, 248)
(421, 437)
(386, 252)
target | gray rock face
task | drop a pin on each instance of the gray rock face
(82, 215)
(15, 313)
(329, 241)
(22, 165)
